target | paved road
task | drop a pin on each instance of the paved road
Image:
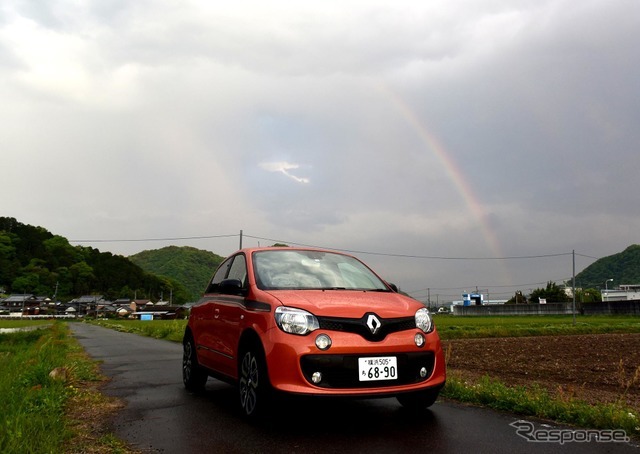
(160, 416)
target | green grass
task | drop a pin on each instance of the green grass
(33, 403)
(455, 327)
(23, 323)
(536, 401)
(172, 330)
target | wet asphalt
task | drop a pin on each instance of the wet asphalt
(161, 417)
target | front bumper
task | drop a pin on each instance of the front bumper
(341, 371)
(292, 361)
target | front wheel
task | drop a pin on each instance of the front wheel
(253, 385)
(418, 400)
(194, 376)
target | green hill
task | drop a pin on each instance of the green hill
(35, 261)
(623, 268)
(190, 266)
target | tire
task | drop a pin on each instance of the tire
(253, 382)
(418, 400)
(194, 376)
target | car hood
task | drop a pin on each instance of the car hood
(348, 303)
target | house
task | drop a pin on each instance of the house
(87, 303)
(25, 304)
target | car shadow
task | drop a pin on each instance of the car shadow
(335, 416)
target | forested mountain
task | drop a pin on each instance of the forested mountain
(34, 261)
(623, 268)
(190, 266)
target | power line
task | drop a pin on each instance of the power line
(429, 257)
(352, 251)
(155, 239)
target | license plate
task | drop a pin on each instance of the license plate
(378, 368)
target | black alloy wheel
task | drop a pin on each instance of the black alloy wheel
(194, 376)
(253, 382)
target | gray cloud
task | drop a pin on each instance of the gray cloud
(434, 129)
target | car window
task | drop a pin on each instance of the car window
(221, 274)
(308, 269)
(238, 269)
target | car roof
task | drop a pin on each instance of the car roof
(250, 250)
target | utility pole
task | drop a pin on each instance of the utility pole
(574, 286)
(240, 239)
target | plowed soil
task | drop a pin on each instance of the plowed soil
(601, 368)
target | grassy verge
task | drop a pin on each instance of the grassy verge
(172, 330)
(5, 323)
(38, 406)
(536, 401)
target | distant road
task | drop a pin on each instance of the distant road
(160, 416)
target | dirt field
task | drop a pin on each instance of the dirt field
(595, 368)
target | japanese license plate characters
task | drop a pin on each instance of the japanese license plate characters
(378, 368)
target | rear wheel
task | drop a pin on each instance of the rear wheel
(194, 376)
(253, 385)
(418, 400)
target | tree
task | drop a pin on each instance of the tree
(9, 265)
(82, 278)
(589, 295)
(42, 279)
(553, 294)
(518, 298)
(27, 283)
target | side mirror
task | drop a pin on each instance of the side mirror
(231, 287)
(394, 287)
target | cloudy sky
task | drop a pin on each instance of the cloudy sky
(451, 144)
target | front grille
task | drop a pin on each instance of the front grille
(359, 325)
(341, 371)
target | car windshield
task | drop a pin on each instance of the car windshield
(301, 269)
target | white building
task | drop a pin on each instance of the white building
(622, 293)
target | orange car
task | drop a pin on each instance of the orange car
(310, 322)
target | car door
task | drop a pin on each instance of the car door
(207, 335)
(229, 310)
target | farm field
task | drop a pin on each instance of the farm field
(596, 368)
(597, 360)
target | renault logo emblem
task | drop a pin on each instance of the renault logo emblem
(373, 323)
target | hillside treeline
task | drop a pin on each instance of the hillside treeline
(190, 266)
(34, 261)
(620, 269)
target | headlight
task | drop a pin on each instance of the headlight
(423, 320)
(295, 321)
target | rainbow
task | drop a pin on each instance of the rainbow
(453, 171)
